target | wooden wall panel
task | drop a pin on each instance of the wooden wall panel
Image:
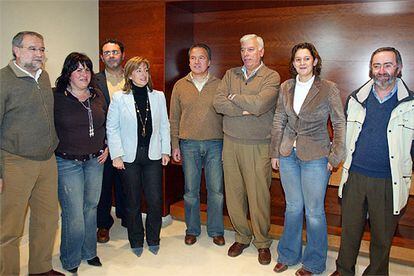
(140, 25)
(344, 34)
(179, 38)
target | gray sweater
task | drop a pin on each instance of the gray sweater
(26, 115)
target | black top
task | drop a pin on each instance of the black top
(72, 123)
(141, 98)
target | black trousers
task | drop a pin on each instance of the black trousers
(143, 175)
(111, 178)
(364, 195)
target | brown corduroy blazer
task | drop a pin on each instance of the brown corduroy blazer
(309, 128)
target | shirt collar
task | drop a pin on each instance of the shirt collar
(244, 70)
(389, 96)
(36, 76)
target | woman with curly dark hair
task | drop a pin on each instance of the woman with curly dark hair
(80, 114)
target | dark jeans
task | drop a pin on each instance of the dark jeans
(143, 175)
(364, 195)
(110, 178)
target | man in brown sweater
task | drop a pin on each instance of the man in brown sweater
(197, 141)
(28, 173)
(247, 97)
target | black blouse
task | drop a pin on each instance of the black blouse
(72, 123)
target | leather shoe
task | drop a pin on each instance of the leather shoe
(94, 261)
(335, 273)
(303, 272)
(50, 272)
(236, 249)
(190, 239)
(102, 235)
(264, 256)
(279, 267)
(219, 240)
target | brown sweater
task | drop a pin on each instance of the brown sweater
(257, 95)
(192, 115)
(26, 115)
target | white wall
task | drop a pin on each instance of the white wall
(66, 26)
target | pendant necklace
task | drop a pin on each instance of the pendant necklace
(143, 122)
(89, 110)
(90, 118)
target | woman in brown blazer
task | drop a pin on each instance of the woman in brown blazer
(303, 152)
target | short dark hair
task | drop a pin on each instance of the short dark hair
(18, 38)
(201, 45)
(71, 63)
(387, 49)
(306, 45)
(113, 41)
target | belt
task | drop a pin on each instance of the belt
(84, 157)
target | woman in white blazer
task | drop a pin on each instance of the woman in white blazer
(138, 135)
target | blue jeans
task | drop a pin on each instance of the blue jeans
(79, 188)
(196, 155)
(304, 184)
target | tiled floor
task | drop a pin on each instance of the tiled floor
(176, 258)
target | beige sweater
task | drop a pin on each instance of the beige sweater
(258, 96)
(192, 115)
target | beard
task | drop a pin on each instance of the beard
(384, 80)
(113, 63)
(33, 65)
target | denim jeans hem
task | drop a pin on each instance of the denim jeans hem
(215, 234)
(280, 260)
(88, 258)
(314, 271)
(71, 265)
(192, 233)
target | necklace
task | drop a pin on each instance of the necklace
(89, 110)
(90, 118)
(143, 122)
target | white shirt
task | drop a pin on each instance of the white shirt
(301, 91)
(199, 84)
(36, 76)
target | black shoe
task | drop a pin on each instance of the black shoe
(94, 261)
(73, 270)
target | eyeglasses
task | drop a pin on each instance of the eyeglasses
(32, 49)
(387, 66)
(114, 52)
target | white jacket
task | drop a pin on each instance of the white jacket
(122, 125)
(400, 134)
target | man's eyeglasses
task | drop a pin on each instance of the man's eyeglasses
(42, 50)
(387, 66)
(114, 52)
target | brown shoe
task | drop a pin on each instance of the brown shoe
(303, 272)
(335, 273)
(102, 235)
(219, 240)
(236, 249)
(264, 256)
(50, 272)
(190, 239)
(279, 267)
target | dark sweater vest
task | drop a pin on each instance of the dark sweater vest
(371, 156)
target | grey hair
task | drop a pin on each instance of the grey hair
(252, 36)
(18, 38)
